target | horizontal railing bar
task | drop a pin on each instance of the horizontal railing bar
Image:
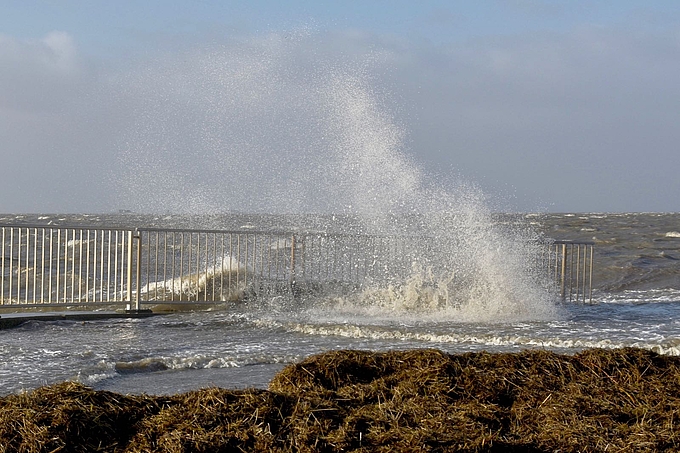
(64, 227)
(212, 231)
(259, 232)
(286, 233)
(567, 242)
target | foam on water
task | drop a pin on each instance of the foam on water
(268, 125)
(190, 349)
(661, 295)
(514, 337)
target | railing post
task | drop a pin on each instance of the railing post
(2, 270)
(578, 268)
(134, 241)
(292, 266)
(563, 271)
(129, 268)
(590, 276)
(138, 269)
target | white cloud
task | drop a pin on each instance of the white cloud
(62, 55)
(39, 75)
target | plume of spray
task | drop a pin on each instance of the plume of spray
(282, 125)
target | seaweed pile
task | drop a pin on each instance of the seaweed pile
(416, 400)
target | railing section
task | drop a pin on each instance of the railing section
(209, 266)
(44, 266)
(570, 266)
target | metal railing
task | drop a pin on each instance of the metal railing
(570, 265)
(45, 266)
(52, 266)
(214, 265)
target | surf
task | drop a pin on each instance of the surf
(266, 128)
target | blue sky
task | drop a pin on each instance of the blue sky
(545, 105)
(103, 27)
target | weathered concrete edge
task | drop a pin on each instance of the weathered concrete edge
(9, 320)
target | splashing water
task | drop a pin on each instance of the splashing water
(271, 125)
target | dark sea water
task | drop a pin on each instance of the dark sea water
(636, 302)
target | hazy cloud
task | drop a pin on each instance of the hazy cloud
(581, 121)
(578, 121)
(44, 134)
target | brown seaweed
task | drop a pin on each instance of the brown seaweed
(361, 401)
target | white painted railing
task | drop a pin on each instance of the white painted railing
(50, 266)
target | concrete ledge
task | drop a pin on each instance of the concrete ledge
(9, 320)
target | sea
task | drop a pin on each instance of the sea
(635, 303)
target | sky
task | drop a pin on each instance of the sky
(545, 106)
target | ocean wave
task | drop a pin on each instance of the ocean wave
(667, 347)
(199, 361)
(213, 281)
(640, 296)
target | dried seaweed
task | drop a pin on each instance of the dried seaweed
(417, 400)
